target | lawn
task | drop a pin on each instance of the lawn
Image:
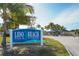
(59, 49)
(8, 40)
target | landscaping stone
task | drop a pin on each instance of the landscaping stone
(23, 51)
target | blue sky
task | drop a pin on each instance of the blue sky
(61, 13)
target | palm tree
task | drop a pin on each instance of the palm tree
(14, 11)
(17, 19)
(26, 21)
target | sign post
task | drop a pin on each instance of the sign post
(26, 36)
(11, 44)
(41, 38)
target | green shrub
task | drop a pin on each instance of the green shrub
(46, 51)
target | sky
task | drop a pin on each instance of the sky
(66, 14)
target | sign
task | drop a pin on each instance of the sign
(25, 36)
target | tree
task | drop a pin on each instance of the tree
(27, 21)
(63, 28)
(20, 19)
(50, 26)
(76, 31)
(53, 26)
(42, 28)
(13, 11)
(38, 26)
(1, 29)
(56, 28)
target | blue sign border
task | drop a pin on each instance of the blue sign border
(11, 38)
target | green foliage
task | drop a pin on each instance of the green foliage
(16, 13)
(1, 29)
(51, 48)
(53, 26)
(76, 31)
(7, 39)
(58, 48)
(38, 26)
(46, 51)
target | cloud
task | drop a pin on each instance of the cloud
(42, 14)
(1, 20)
(68, 16)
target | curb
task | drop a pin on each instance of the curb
(70, 54)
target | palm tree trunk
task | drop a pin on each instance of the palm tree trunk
(4, 29)
(4, 38)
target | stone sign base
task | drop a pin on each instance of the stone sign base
(26, 45)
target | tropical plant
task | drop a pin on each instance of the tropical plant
(14, 11)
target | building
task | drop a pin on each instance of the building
(68, 33)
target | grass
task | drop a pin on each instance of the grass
(59, 49)
(8, 39)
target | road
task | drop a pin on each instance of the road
(71, 43)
